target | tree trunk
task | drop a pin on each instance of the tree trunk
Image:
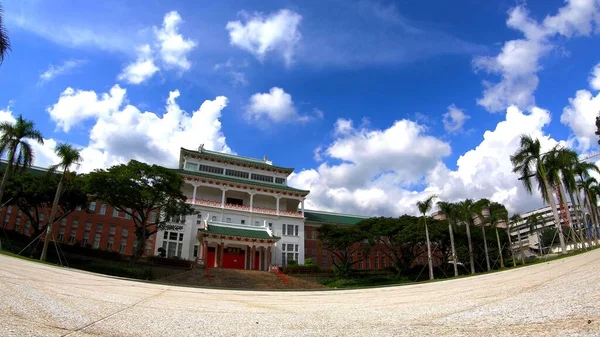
(430, 263)
(520, 246)
(453, 249)
(585, 223)
(577, 219)
(563, 199)
(499, 249)
(552, 201)
(7, 173)
(471, 260)
(593, 216)
(512, 251)
(51, 218)
(485, 247)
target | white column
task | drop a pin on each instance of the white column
(277, 205)
(194, 194)
(223, 199)
(251, 200)
(302, 207)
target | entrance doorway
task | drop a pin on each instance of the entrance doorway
(233, 258)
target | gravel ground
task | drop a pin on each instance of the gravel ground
(560, 298)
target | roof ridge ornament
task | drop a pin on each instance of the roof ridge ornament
(201, 147)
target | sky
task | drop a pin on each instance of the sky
(376, 104)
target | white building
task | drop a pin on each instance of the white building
(246, 215)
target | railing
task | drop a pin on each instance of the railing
(245, 208)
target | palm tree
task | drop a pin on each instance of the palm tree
(587, 186)
(449, 211)
(533, 221)
(515, 219)
(69, 156)
(13, 140)
(582, 171)
(528, 162)
(4, 41)
(424, 207)
(498, 214)
(507, 222)
(569, 173)
(482, 212)
(466, 209)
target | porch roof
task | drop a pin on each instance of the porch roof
(239, 232)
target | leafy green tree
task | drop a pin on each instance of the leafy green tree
(32, 193)
(424, 207)
(68, 156)
(343, 242)
(150, 194)
(13, 141)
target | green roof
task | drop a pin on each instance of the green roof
(332, 218)
(31, 169)
(240, 181)
(234, 231)
(238, 159)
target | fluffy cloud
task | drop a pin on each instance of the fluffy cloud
(276, 105)
(595, 78)
(454, 119)
(54, 71)
(122, 132)
(260, 34)
(142, 69)
(580, 116)
(174, 48)
(385, 172)
(518, 61)
(170, 47)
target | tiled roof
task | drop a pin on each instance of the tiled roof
(240, 181)
(238, 159)
(244, 233)
(332, 218)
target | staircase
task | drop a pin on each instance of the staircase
(238, 279)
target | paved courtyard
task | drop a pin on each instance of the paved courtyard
(560, 298)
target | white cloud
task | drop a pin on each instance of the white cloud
(595, 78)
(54, 71)
(454, 119)
(232, 69)
(75, 106)
(174, 48)
(385, 172)
(278, 32)
(580, 116)
(276, 105)
(122, 132)
(140, 70)
(519, 60)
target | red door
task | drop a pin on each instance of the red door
(210, 257)
(256, 260)
(233, 259)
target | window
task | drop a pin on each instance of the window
(313, 235)
(234, 201)
(180, 236)
(86, 238)
(92, 207)
(172, 236)
(289, 252)
(99, 228)
(270, 225)
(238, 174)
(196, 251)
(112, 230)
(27, 227)
(243, 222)
(256, 223)
(191, 166)
(210, 169)
(122, 246)
(72, 236)
(214, 218)
(109, 244)
(261, 177)
(148, 247)
(88, 226)
(199, 218)
(228, 220)
(41, 217)
(128, 216)
(103, 209)
(75, 223)
(290, 230)
(115, 212)
(61, 234)
(153, 217)
(96, 241)
(6, 219)
(280, 181)
(124, 232)
(63, 222)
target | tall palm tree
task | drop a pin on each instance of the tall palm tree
(4, 41)
(482, 212)
(582, 171)
(424, 207)
(528, 162)
(587, 187)
(508, 225)
(498, 214)
(69, 156)
(515, 219)
(449, 211)
(466, 211)
(594, 193)
(13, 140)
(569, 173)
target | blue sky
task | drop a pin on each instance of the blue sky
(291, 75)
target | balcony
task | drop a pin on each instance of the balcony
(244, 208)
